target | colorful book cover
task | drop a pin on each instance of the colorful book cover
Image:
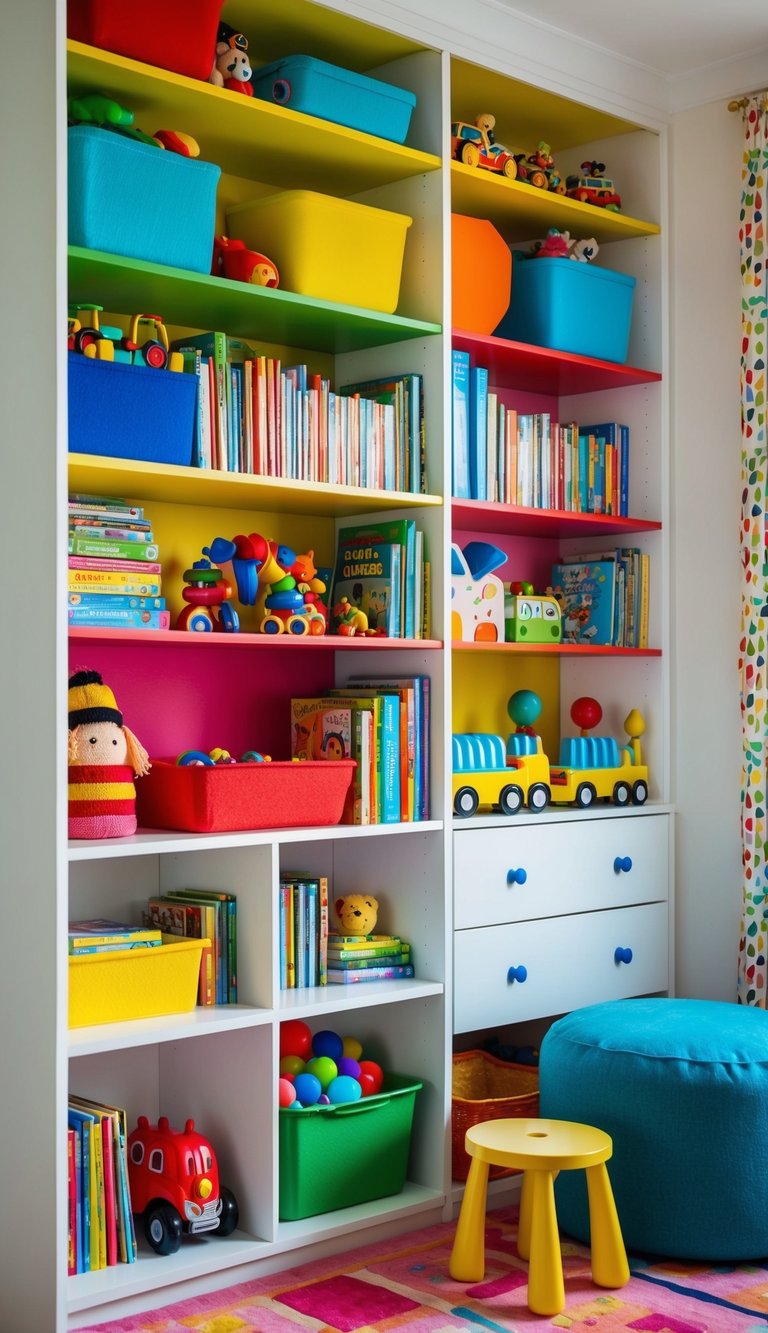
(389, 785)
(101, 1137)
(71, 1204)
(320, 729)
(82, 528)
(82, 1249)
(116, 601)
(117, 566)
(402, 957)
(322, 949)
(585, 591)
(185, 920)
(89, 580)
(372, 705)
(346, 953)
(104, 504)
(462, 486)
(114, 619)
(101, 930)
(81, 949)
(371, 572)
(341, 978)
(421, 688)
(205, 919)
(407, 696)
(478, 428)
(106, 548)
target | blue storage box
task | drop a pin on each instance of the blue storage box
(335, 94)
(570, 306)
(123, 411)
(147, 203)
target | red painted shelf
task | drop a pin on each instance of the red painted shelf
(488, 516)
(515, 365)
(332, 642)
(554, 649)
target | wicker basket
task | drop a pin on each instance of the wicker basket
(485, 1088)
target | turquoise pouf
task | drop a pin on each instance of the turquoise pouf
(681, 1086)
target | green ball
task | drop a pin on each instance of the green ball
(524, 707)
(323, 1068)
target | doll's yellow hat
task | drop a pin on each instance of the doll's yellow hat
(90, 700)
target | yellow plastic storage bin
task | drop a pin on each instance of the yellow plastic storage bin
(327, 248)
(134, 983)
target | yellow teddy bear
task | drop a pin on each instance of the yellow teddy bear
(356, 913)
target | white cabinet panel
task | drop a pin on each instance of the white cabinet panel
(520, 874)
(568, 962)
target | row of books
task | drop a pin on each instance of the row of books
(381, 569)
(114, 574)
(203, 914)
(605, 598)
(359, 958)
(383, 724)
(303, 925)
(257, 416)
(100, 1223)
(101, 935)
(527, 458)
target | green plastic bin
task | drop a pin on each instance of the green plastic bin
(335, 1156)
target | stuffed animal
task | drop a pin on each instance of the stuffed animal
(556, 245)
(231, 66)
(104, 757)
(584, 250)
(356, 913)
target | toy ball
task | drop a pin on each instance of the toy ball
(323, 1099)
(324, 1069)
(524, 707)
(367, 1085)
(376, 1072)
(286, 1093)
(586, 712)
(344, 1089)
(352, 1047)
(295, 1106)
(295, 1039)
(292, 1064)
(307, 1088)
(328, 1043)
(348, 1067)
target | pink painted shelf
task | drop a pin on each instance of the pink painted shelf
(489, 516)
(516, 365)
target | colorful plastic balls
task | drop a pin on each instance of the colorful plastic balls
(324, 1070)
(295, 1039)
(376, 1072)
(352, 1047)
(349, 1067)
(307, 1088)
(286, 1092)
(323, 1099)
(367, 1085)
(328, 1043)
(344, 1089)
(291, 1064)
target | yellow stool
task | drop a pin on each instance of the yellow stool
(540, 1148)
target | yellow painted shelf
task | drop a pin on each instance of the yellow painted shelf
(289, 26)
(245, 136)
(90, 474)
(521, 211)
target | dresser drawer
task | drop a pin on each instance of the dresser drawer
(566, 962)
(520, 874)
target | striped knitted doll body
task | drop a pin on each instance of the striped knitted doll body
(104, 757)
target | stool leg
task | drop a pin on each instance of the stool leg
(609, 1257)
(468, 1254)
(524, 1220)
(546, 1293)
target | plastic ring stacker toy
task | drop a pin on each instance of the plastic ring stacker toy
(281, 91)
(195, 757)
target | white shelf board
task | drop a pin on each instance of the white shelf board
(199, 1022)
(411, 1199)
(152, 841)
(358, 995)
(563, 815)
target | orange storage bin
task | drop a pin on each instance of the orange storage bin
(486, 1088)
(481, 274)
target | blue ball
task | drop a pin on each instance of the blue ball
(308, 1088)
(328, 1043)
(344, 1089)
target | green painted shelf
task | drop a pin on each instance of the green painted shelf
(198, 300)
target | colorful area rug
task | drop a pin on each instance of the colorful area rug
(404, 1285)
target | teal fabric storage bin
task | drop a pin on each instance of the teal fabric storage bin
(571, 307)
(339, 95)
(146, 203)
(120, 411)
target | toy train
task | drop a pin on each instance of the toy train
(489, 772)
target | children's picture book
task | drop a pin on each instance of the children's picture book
(369, 574)
(586, 593)
(320, 729)
(100, 931)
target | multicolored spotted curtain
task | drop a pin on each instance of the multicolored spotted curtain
(753, 942)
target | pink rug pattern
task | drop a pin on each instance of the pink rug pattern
(404, 1284)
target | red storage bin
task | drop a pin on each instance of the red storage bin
(230, 797)
(179, 35)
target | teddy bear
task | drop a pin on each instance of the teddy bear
(356, 913)
(231, 66)
(104, 757)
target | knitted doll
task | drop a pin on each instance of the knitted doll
(104, 756)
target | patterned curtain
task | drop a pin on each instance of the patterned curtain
(753, 972)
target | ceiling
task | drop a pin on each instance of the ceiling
(670, 37)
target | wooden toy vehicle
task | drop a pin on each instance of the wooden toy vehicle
(153, 351)
(531, 619)
(174, 1182)
(595, 768)
(593, 187)
(488, 772)
(538, 169)
(472, 146)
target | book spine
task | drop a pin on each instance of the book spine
(312, 891)
(115, 618)
(390, 758)
(79, 528)
(100, 506)
(110, 1207)
(81, 949)
(349, 955)
(322, 952)
(478, 427)
(128, 937)
(283, 925)
(403, 958)
(105, 548)
(460, 425)
(71, 1204)
(624, 472)
(129, 585)
(115, 601)
(375, 974)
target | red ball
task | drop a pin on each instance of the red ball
(286, 1092)
(295, 1039)
(368, 1084)
(376, 1072)
(586, 712)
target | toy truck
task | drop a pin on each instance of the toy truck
(174, 1181)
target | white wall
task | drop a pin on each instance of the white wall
(705, 294)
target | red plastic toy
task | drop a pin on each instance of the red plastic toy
(232, 259)
(174, 1182)
(475, 146)
(207, 590)
(592, 187)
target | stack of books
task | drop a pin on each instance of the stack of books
(303, 912)
(382, 570)
(100, 1221)
(201, 914)
(115, 577)
(353, 958)
(100, 935)
(605, 598)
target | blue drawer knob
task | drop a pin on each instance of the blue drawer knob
(622, 863)
(622, 955)
(517, 973)
(517, 876)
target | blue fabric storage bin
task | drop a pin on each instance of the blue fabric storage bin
(130, 199)
(121, 411)
(339, 95)
(571, 307)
